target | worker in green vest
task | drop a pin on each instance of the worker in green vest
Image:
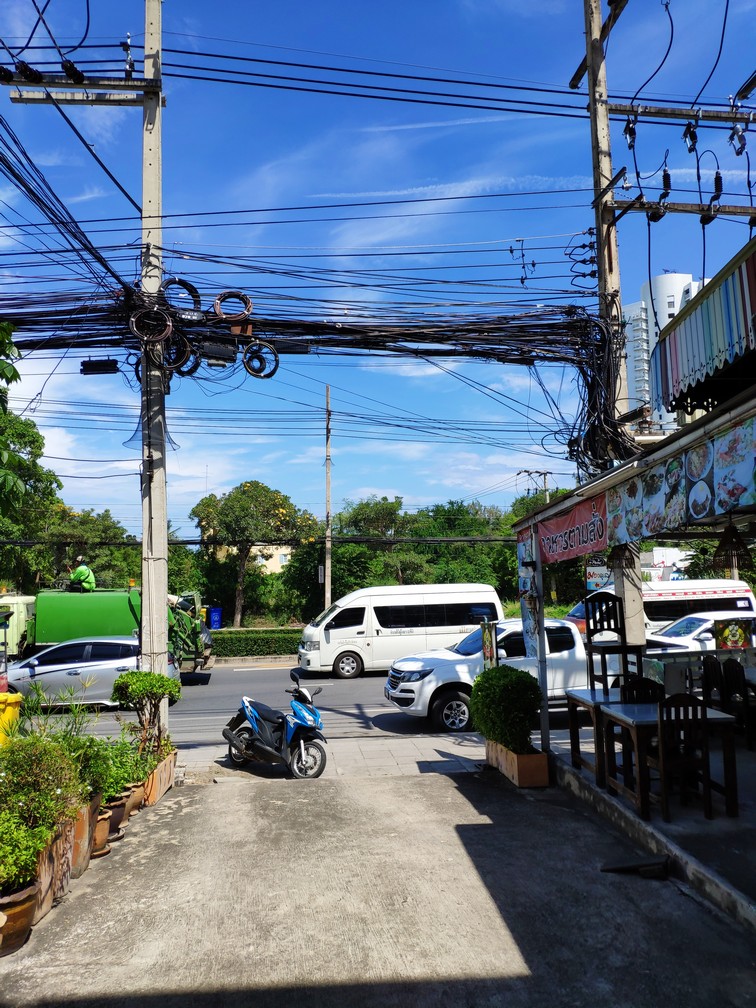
(82, 579)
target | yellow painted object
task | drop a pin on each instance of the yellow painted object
(10, 704)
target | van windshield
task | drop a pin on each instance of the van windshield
(325, 615)
(470, 645)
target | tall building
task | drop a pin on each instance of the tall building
(661, 300)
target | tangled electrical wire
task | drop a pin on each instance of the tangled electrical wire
(177, 338)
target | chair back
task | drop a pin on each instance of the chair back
(683, 728)
(712, 681)
(604, 613)
(639, 689)
(733, 680)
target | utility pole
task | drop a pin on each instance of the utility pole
(328, 531)
(154, 490)
(79, 89)
(625, 560)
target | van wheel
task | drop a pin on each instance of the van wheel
(348, 665)
(451, 712)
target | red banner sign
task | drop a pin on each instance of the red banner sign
(583, 530)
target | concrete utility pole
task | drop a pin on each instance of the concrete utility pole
(146, 91)
(625, 560)
(328, 531)
(154, 491)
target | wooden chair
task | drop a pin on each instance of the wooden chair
(683, 753)
(712, 682)
(736, 698)
(604, 614)
(639, 689)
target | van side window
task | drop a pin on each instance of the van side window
(397, 617)
(351, 617)
(513, 645)
(464, 613)
(560, 639)
(670, 610)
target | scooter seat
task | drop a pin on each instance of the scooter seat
(269, 714)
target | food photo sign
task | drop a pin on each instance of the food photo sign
(712, 478)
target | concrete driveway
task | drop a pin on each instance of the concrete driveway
(430, 889)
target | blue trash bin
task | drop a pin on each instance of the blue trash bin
(214, 618)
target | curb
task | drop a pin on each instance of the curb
(685, 867)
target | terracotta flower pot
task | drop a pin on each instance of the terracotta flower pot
(16, 915)
(135, 800)
(100, 845)
(54, 866)
(161, 779)
(84, 831)
(118, 818)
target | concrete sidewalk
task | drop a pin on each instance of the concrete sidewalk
(717, 858)
(360, 890)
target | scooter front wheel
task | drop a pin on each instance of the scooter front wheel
(311, 763)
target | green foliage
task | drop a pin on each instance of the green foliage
(256, 642)
(144, 691)
(504, 704)
(250, 516)
(92, 757)
(39, 781)
(125, 765)
(20, 846)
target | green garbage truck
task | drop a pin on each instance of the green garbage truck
(63, 615)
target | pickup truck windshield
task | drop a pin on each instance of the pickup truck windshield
(470, 645)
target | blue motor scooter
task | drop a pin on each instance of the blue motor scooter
(258, 733)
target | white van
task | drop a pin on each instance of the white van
(371, 627)
(667, 601)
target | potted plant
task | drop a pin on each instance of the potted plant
(40, 782)
(145, 692)
(20, 847)
(505, 702)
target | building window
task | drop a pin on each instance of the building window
(283, 559)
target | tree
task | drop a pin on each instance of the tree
(25, 514)
(11, 485)
(246, 522)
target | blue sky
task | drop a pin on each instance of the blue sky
(455, 194)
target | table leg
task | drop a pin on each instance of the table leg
(572, 720)
(730, 770)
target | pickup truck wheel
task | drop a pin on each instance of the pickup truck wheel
(348, 665)
(451, 712)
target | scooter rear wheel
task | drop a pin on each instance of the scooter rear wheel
(245, 734)
(313, 763)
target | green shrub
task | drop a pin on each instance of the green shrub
(92, 758)
(20, 846)
(144, 691)
(504, 704)
(126, 765)
(39, 782)
(251, 642)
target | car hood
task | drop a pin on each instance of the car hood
(424, 659)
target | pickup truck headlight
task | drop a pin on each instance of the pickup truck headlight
(311, 645)
(416, 676)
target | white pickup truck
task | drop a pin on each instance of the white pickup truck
(438, 683)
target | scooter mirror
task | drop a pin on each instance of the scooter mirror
(318, 690)
(294, 676)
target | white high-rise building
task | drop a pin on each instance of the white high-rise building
(660, 301)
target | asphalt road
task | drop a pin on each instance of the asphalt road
(351, 708)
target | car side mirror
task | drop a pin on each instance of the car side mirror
(707, 635)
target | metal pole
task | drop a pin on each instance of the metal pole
(328, 538)
(154, 497)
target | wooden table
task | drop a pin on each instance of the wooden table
(589, 700)
(641, 722)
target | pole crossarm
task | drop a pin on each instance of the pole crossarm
(721, 210)
(702, 115)
(50, 97)
(91, 83)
